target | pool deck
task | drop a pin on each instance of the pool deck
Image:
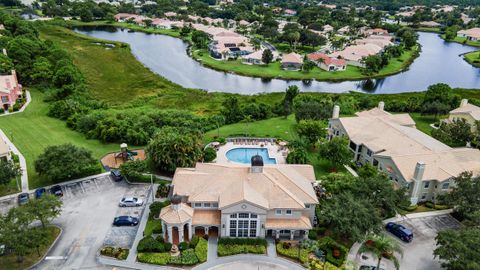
(273, 152)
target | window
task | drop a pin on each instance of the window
(278, 212)
(288, 212)
(375, 162)
(233, 216)
(426, 185)
(445, 185)
(215, 205)
(197, 205)
(353, 146)
(424, 196)
(369, 152)
(253, 215)
(243, 215)
(307, 206)
(207, 205)
(4, 99)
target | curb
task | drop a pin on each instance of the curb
(49, 249)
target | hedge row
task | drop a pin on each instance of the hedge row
(115, 252)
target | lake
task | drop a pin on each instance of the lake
(438, 62)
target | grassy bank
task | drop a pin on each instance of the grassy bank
(9, 262)
(464, 41)
(32, 131)
(430, 29)
(274, 69)
(473, 58)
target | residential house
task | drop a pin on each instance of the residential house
(344, 30)
(410, 158)
(327, 28)
(327, 63)
(123, 17)
(292, 61)
(430, 24)
(289, 12)
(354, 55)
(470, 34)
(5, 153)
(255, 58)
(10, 90)
(245, 201)
(376, 40)
(170, 14)
(376, 31)
(469, 112)
(226, 45)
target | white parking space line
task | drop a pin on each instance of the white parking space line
(56, 258)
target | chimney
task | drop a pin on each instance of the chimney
(419, 170)
(257, 164)
(336, 112)
(381, 105)
(176, 202)
(463, 102)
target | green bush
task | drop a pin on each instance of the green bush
(314, 233)
(201, 249)
(242, 241)
(115, 252)
(429, 204)
(2, 110)
(410, 208)
(149, 244)
(162, 190)
(209, 154)
(232, 246)
(154, 258)
(194, 241)
(16, 107)
(291, 252)
(441, 207)
(187, 257)
(183, 246)
(328, 245)
(155, 208)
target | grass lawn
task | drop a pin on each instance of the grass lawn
(464, 41)
(473, 58)
(420, 209)
(321, 166)
(32, 131)
(429, 29)
(9, 262)
(152, 224)
(278, 127)
(9, 188)
(274, 70)
(423, 121)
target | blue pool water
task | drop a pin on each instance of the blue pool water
(244, 155)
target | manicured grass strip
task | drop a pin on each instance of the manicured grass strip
(9, 262)
(274, 70)
(423, 121)
(473, 58)
(153, 225)
(464, 41)
(32, 131)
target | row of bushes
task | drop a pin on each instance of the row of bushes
(150, 244)
(316, 232)
(335, 252)
(288, 250)
(115, 252)
(156, 251)
(155, 208)
(233, 246)
(436, 206)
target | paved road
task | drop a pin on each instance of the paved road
(86, 221)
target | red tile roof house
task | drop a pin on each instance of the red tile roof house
(10, 90)
(377, 32)
(292, 61)
(471, 34)
(328, 63)
(123, 17)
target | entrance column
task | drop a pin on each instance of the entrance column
(180, 235)
(292, 232)
(190, 229)
(169, 232)
(277, 234)
(206, 230)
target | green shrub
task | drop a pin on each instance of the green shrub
(149, 244)
(314, 233)
(2, 110)
(115, 252)
(183, 246)
(291, 252)
(155, 208)
(429, 204)
(201, 249)
(154, 258)
(328, 245)
(187, 257)
(410, 208)
(194, 241)
(16, 107)
(232, 246)
(209, 154)
(168, 246)
(441, 206)
(162, 190)
(242, 241)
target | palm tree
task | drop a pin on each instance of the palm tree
(382, 246)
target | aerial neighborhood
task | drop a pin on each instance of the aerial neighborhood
(175, 134)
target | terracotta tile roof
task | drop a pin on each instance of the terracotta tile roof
(176, 216)
(473, 32)
(206, 217)
(472, 110)
(302, 223)
(292, 58)
(326, 59)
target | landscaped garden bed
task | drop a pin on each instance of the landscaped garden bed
(115, 252)
(156, 251)
(233, 246)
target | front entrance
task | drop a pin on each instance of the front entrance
(175, 236)
(213, 231)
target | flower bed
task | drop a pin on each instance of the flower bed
(115, 252)
(233, 246)
(335, 252)
(291, 251)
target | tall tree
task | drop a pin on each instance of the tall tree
(311, 131)
(45, 209)
(267, 56)
(464, 195)
(336, 151)
(459, 249)
(8, 171)
(290, 94)
(380, 245)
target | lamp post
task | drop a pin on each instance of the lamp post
(151, 186)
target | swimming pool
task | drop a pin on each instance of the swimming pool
(244, 155)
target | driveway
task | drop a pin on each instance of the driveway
(418, 255)
(86, 220)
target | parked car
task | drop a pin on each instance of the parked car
(57, 191)
(369, 267)
(39, 192)
(130, 201)
(23, 198)
(399, 231)
(125, 221)
(116, 175)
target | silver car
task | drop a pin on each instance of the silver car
(130, 202)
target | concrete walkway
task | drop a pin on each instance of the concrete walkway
(29, 98)
(23, 163)
(271, 248)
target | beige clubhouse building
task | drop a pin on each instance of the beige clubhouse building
(411, 158)
(233, 200)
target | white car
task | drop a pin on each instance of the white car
(130, 201)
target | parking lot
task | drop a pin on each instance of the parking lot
(89, 208)
(418, 254)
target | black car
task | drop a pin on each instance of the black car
(39, 192)
(23, 198)
(57, 191)
(116, 175)
(399, 231)
(125, 221)
(368, 267)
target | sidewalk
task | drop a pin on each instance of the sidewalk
(23, 163)
(418, 215)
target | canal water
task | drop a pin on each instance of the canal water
(438, 62)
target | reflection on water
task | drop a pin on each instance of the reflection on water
(439, 61)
